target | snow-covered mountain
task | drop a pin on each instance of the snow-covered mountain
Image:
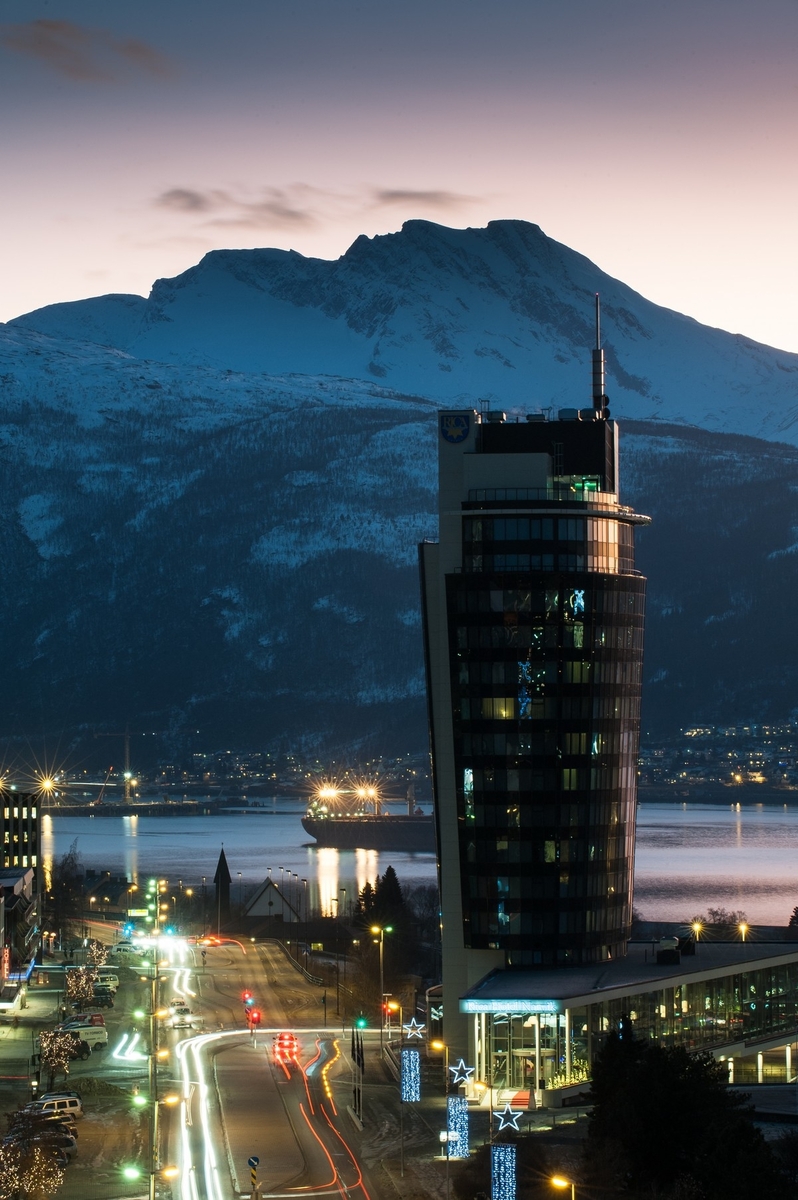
(193, 538)
(501, 315)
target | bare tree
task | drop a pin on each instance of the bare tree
(57, 1048)
(97, 954)
(80, 985)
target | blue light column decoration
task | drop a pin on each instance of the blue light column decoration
(502, 1172)
(457, 1123)
(411, 1076)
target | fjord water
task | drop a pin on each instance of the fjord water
(689, 856)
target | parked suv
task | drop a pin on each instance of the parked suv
(65, 1106)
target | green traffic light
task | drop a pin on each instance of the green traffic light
(131, 1173)
(139, 1101)
(361, 1023)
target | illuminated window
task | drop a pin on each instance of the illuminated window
(468, 792)
(498, 708)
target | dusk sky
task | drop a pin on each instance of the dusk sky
(657, 139)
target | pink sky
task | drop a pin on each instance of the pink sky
(659, 140)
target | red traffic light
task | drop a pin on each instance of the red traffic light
(247, 997)
(254, 1017)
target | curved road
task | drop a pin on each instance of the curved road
(237, 1094)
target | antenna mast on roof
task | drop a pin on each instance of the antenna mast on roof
(600, 397)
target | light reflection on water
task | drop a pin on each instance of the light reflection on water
(697, 856)
(256, 844)
(689, 857)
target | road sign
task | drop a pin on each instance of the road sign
(252, 1163)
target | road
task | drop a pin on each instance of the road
(238, 1099)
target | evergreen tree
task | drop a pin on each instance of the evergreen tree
(664, 1123)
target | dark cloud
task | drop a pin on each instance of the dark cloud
(433, 199)
(273, 208)
(92, 55)
(183, 200)
(299, 205)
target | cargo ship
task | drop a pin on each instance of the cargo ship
(353, 818)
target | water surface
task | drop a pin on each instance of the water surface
(689, 856)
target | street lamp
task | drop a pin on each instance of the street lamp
(697, 929)
(743, 929)
(559, 1181)
(381, 930)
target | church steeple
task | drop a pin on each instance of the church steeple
(222, 880)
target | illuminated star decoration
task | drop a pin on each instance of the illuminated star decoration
(460, 1072)
(413, 1029)
(507, 1118)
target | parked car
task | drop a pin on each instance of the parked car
(65, 1106)
(45, 1137)
(81, 1019)
(21, 1120)
(63, 1094)
(123, 950)
(103, 996)
(94, 1036)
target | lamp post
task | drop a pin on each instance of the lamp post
(743, 929)
(343, 892)
(439, 1045)
(395, 1006)
(380, 931)
(337, 904)
(559, 1181)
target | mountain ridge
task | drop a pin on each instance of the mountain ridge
(192, 545)
(494, 316)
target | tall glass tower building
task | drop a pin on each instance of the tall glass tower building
(533, 618)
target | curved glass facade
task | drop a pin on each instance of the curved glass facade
(534, 637)
(546, 646)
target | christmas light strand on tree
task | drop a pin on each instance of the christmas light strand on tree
(97, 954)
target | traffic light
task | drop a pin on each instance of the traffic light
(248, 999)
(361, 1022)
(254, 1016)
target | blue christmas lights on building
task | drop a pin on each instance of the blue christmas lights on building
(502, 1172)
(411, 1076)
(457, 1123)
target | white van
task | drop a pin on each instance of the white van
(66, 1106)
(124, 948)
(109, 979)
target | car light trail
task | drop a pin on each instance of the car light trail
(325, 1080)
(126, 1049)
(199, 1168)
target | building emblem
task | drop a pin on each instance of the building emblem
(455, 428)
